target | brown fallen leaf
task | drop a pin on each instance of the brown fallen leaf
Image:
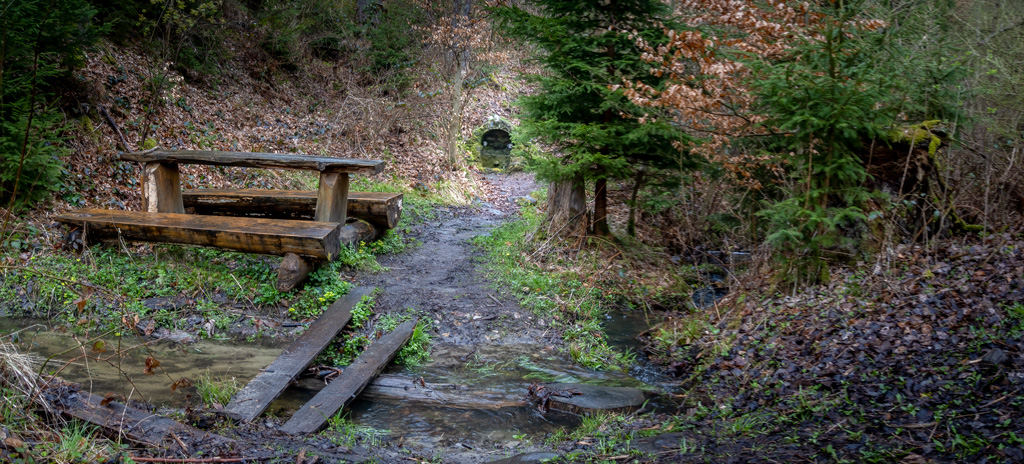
(111, 397)
(183, 382)
(151, 363)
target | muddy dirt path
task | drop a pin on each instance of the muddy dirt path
(442, 280)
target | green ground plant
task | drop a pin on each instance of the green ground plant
(343, 432)
(563, 296)
(216, 390)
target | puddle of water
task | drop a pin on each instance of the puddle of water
(122, 370)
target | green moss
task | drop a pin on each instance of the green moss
(917, 133)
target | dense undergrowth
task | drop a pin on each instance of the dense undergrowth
(917, 362)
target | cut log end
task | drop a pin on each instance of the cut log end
(294, 269)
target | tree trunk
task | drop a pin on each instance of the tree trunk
(461, 56)
(566, 207)
(601, 208)
(631, 225)
(455, 125)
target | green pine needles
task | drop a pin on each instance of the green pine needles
(39, 41)
(836, 91)
(594, 132)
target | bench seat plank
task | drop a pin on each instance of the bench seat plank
(259, 160)
(318, 240)
(381, 209)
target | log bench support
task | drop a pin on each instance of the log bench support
(161, 188)
(332, 198)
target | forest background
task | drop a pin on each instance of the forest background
(823, 139)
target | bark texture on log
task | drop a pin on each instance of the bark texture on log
(293, 270)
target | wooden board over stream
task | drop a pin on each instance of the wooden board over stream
(314, 414)
(252, 400)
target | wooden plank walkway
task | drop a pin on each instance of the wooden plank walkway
(314, 414)
(142, 426)
(254, 398)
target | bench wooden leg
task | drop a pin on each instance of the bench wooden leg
(293, 271)
(161, 188)
(332, 198)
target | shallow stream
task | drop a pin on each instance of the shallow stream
(504, 369)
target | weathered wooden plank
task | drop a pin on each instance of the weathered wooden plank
(314, 414)
(332, 197)
(381, 209)
(254, 398)
(140, 426)
(259, 160)
(252, 235)
(161, 188)
(411, 389)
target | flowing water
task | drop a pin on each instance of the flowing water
(504, 369)
(120, 368)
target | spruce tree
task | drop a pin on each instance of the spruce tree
(594, 133)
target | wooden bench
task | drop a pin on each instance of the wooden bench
(163, 218)
(161, 179)
(317, 240)
(382, 209)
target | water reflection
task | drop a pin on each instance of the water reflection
(117, 365)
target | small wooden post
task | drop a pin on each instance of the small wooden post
(161, 188)
(332, 198)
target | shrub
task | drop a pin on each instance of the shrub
(39, 42)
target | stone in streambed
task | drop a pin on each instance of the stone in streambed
(592, 398)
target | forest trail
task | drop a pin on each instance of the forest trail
(440, 279)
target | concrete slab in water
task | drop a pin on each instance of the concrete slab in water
(595, 398)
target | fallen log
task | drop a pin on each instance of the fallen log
(412, 389)
(136, 425)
